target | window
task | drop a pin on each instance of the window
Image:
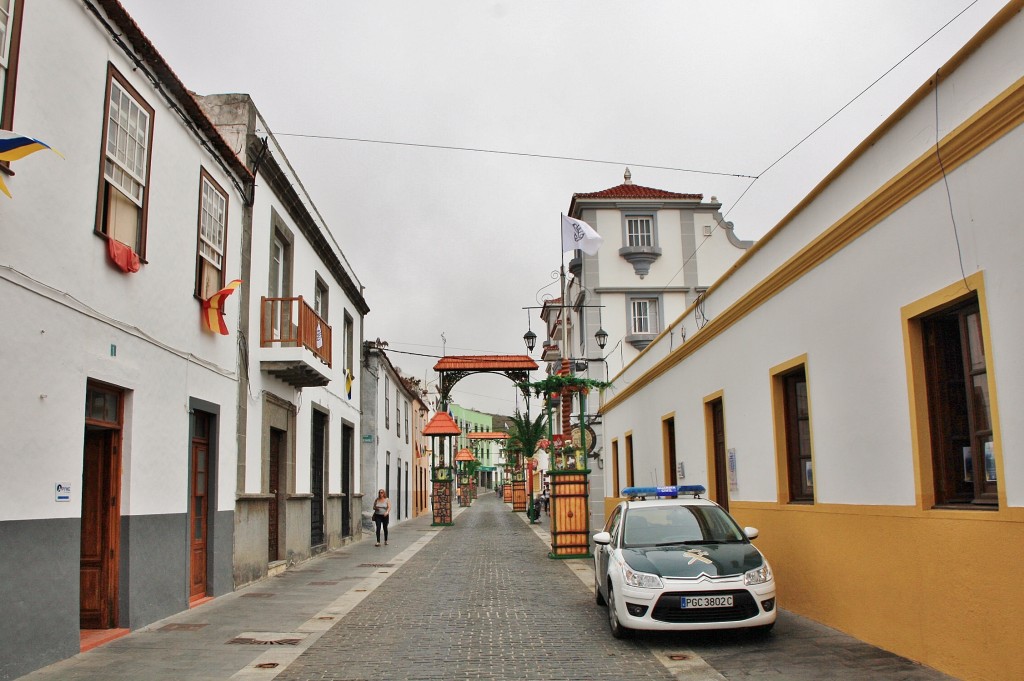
(124, 190)
(406, 423)
(644, 315)
(792, 411)
(349, 340)
(959, 412)
(10, 38)
(320, 298)
(398, 412)
(278, 312)
(387, 403)
(639, 232)
(213, 215)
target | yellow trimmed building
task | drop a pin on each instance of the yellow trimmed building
(852, 386)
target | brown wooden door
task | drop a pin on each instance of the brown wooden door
(98, 573)
(200, 508)
(721, 468)
(274, 478)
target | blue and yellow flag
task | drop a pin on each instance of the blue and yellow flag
(14, 146)
(349, 378)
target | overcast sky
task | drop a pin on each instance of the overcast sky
(457, 242)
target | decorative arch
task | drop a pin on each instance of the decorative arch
(453, 368)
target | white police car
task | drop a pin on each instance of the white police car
(668, 560)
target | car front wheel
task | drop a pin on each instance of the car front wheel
(618, 631)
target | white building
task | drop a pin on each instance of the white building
(844, 393)
(661, 251)
(119, 408)
(297, 484)
(389, 445)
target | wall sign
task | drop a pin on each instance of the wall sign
(62, 491)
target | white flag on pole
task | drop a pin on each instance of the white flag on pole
(578, 234)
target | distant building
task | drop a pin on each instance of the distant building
(391, 406)
(662, 250)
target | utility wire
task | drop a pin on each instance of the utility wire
(508, 153)
(873, 83)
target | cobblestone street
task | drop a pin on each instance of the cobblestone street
(477, 600)
(480, 601)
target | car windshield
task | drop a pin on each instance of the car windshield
(681, 524)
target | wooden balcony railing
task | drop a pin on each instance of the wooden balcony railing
(291, 322)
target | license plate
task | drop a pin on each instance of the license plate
(706, 602)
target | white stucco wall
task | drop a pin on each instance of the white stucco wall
(845, 315)
(66, 307)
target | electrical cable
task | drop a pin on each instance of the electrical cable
(945, 182)
(478, 150)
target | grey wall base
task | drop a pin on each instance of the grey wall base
(39, 598)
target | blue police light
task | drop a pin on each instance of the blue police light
(665, 491)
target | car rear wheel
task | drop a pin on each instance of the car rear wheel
(618, 631)
(598, 597)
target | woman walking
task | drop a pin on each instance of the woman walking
(381, 513)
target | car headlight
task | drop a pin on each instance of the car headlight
(646, 580)
(759, 576)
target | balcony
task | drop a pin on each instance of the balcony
(302, 341)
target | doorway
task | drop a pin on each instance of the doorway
(717, 416)
(275, 488)
(199, 506)
(316, 511)
(101, 508)
(347, 437)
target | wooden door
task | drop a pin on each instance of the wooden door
(98, 573)
(199, 506)
(316, 454)
(274, 487)
(347, 437)
(721, 467)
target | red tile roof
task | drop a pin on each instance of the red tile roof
(464, 455)
(634, 191)
(484, 363)
(441, 424)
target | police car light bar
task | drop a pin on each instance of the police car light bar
(666, 491)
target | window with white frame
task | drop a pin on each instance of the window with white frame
(213, 217)
(124, 189)
(321, 296)
(644, 315)
(387, 403)
(639, 232)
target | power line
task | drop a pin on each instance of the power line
(477, 150)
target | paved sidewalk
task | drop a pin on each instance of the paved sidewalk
(477, 600)
(269, 623)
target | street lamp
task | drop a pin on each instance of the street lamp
(531, 340)
(602, 338)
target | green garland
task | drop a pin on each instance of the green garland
(556, 383)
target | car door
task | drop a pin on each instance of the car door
(601, 553)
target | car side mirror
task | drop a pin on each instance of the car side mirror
(603, 538)
(751, 532)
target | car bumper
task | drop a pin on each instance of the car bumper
(659, 609)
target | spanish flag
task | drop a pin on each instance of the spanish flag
(213, 308)
(14, 146)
